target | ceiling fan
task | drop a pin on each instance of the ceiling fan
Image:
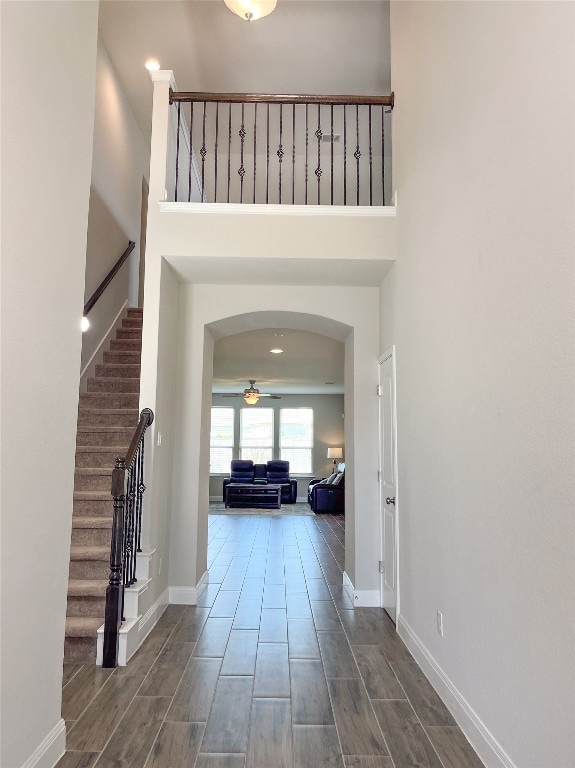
(251, 395)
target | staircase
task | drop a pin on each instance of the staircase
(107, 418)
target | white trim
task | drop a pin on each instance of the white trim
(361, 598)
(163, 76)
(188, 595)
(50, 749)
(373, 211)
(480, 737)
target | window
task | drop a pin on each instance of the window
(257, 434)
(221, 439)
(296, 438)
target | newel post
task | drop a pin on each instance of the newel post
(115, 589)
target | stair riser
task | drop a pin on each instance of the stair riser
(118, 371)
(93, 482)
(94, 508)
(92, 537)
(126, 345)
(86, 606)
(132, 322)
(105, 438)
(80, 650)
(113, 400)
(122, 357)
(129, 333)
(89, 569)
(96, 460)
(93, 418)
(114, 385)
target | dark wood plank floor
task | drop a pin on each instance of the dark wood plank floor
(272, 669)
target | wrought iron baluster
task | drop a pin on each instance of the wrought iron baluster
(280, 154)
(293, 155)
(141, 489)
(191, 152)
(383, 155)
(370, 160)
(357, 153)
(216, 152)
(255, 145)
(318, 134)
(344, 156)
(268, 155)
(306, 150)
(229, 149)
(331, 157)
(203, 152)
(242, 170)
(177, 152)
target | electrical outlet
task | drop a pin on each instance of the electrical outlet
(440, 623)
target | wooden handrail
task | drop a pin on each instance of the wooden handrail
(108, 279)
(263, 98)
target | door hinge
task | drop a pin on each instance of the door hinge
(379, 390)
(381, 566)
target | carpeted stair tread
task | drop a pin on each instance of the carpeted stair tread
(92, 495)
(83, 626)
(87, 587)
(87, 521)
(106, 428)
(85, 552)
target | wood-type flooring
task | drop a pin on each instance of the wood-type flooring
(273, 668)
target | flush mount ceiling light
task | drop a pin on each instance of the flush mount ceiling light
(152, 65)
(251, 10)
(276, 351)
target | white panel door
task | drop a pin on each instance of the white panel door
(388, 483)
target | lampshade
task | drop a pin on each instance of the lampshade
(335, 453)
(251, 398)
(251, 10)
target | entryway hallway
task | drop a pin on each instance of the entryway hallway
(272, 669)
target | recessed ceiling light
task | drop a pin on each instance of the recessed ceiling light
(152, 65)
(276, 351)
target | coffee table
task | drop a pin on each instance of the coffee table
(245, 495)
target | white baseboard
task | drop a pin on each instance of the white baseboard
(50, 750)
(188, 595)
(361, 598)
(479, 736)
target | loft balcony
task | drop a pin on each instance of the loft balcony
(298, 179)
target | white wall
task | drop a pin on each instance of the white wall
(202, 305)
(121, 158)
(328, 427)
(484, 164)
(48, 74)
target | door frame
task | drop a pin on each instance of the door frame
(390, 352)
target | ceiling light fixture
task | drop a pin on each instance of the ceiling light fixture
(251, 395)
(276, 351)
(85, 324)
(251, 10)
(152, 65)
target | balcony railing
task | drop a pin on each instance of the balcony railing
(307, 150)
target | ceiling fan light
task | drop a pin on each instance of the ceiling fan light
(251, 398)
(251, 10)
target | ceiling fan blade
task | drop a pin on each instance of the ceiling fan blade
(232, 394)
(272, 397)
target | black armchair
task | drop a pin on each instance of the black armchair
(324, 496)
(278, 473)
(241, 471)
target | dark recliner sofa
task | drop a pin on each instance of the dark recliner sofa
(324, 496)
(275, 472)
